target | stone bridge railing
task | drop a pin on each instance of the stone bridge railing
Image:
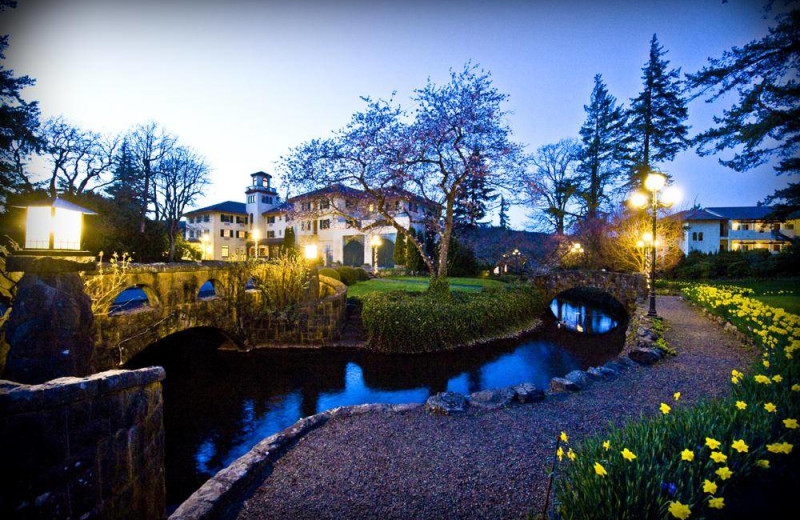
(628, 289)
(53, 330)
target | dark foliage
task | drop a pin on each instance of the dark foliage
(758, 263)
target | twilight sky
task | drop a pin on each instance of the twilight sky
(242, 81)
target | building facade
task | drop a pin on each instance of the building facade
(330, 220)
(711, 230)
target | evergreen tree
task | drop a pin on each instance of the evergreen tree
(19, 123)
(289, 246)
(763, 123)
(503, 213)
(473, 195)
(605, 147)
(657, 116)
(400, 249)
(413, 258)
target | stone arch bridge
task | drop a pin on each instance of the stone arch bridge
(628, 289)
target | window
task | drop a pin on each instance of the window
(270, 234)
(700, 237)
(222, 232)
(776, 247)
(226, 218)
(241, 220)
(280, 232)
(745, 227)
(789, 226)
(271, 219)
(227, 233)
(324, 204)
(191, 220)
(694, 236)
(191, 233)
(241, 234)
(305, 206)
(397, 205)
(348, 203)
(225, 251)
(251, 218)
(206, 218)
(265, 199)
(325, 224)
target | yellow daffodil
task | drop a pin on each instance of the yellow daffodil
(716, 503)
(676, 395)
(712, 443)
(628, 455)
(724, 473)
(762, 379)
(735, 380)
(718, 457)
(740, 446)
(790, 423)
(606, 445)
(762, 463)
(770, 407)
(741, 405)
(664, 408)
(560, 453)
(709, 487)
(571, 454)
(777, 378)
(599, 469)
(564, 437)
(795, 388)
(687, 454)
(765, 363)
(736, 373)
(678, 510)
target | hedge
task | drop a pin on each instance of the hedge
(348, 275)
(402, 322)
(692, 462)
(330, 273)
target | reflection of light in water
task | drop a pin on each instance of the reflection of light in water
(581, 318)
(357, 392)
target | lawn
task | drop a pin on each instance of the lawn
(768, 291)
(417, 284)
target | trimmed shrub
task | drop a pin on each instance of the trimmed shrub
(330, 273)
(362, 274)
(403, 322)
(348, 275)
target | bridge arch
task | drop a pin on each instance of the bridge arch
(136, 297)
(627, 289)
(211, 288)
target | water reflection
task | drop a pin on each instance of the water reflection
(219, 404)
(579, 316)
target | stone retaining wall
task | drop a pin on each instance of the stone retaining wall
(88, 447)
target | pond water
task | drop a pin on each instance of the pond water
(219, 404)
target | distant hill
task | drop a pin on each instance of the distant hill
(491, 243)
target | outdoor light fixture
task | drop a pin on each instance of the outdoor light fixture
(655, 183)
(375, 242)
(310, 251)
(54, 225)
(256, 236)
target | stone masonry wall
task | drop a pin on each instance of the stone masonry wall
(83, 448)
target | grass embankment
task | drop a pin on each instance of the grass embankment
(781, 293)
(690, 461)
(418, 284)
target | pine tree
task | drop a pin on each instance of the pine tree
(289, 246)
(503, 213)
(400, 249)
(413, 258)
(473, 195)
(657, 116)
(605, 147)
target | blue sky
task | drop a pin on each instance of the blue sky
(242, 82)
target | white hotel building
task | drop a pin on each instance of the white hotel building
(226, 230)
(711, 230)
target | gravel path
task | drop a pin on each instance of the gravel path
(484, 465)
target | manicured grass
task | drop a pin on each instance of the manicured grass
(417, 284)
(766, 291)
(787, 302)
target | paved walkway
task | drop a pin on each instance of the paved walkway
(487, 465)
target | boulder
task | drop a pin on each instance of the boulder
(579, 377)
(527, 393)
(609, 373)
(644, 356)
(614, 366)
(596, 374)
(645, 342)
(646, 332)
(626, 361)
(492, 399)
(560, 384)
(446, 403)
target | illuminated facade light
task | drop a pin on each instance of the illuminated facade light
(310, 251)
(55, 225)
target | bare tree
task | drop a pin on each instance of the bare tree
(79, 159)
(551, 184)
(182, 177)
(629, 238)
(149, 144)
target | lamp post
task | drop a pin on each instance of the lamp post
(654, 183)
(256, 236)
(310, 252)
(375, 242)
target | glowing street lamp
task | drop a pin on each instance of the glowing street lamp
(54, 225)
(654, 183)
(375, 242)
(256, 236)
(310, 252)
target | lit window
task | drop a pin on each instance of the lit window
(225, 251)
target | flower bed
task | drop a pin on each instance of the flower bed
(402, 322)
(681, 464)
